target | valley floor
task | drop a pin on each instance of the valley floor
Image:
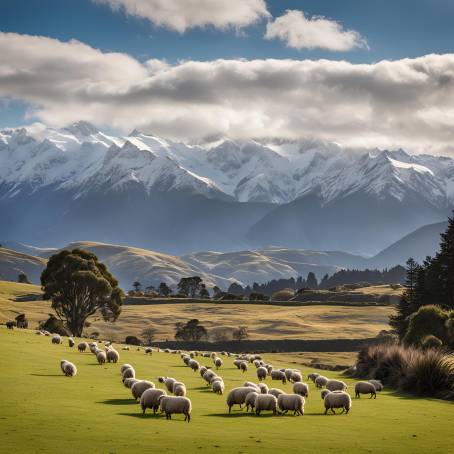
(43, 411)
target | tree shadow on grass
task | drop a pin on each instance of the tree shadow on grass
(118, 402)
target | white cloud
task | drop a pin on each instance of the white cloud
(405, 103)
(301, 32)
(180, 15)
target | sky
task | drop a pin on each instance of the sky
(362, 73)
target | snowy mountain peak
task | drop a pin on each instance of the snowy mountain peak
(82, 128)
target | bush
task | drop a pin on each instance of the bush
(431, 341)
(428, 320)
(133, 340)
(283, 295)
(54, 325)
(420, 372)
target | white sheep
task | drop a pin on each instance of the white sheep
(209, 375)
(337, 399)
(71, 342)
(291, 402)
(179, 389)
(312, 376)
(336, 385)
(218, 362)
(265, 402)
(168, 382)
(277, 374)
(139, 387)
(112, 355)
(101, 357)
(202, 370)
(237, 396)
(56, 339)
(237, 363)
(124, 367)
(249, 401)
(68, 368)
(301, 388)
(176, 405)
(217, 385)
(288, 373)
(296, 376)
(129, 372)
(93, 346)
(321, 381)
(243, 366)
(129, 382)
(275, 392)
(365, 387)
(150, 399)
(194, 365)
(324, 393)
(377, 384)
(262, 372)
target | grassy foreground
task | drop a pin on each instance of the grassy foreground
(43, 411)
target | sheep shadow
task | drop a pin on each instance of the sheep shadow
(48, 375)
(237, 414)
(118, 402)
(141, 416)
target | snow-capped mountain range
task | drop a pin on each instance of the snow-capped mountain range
(81, 162)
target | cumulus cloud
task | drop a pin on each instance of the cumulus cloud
(179, 15)
(406, 103)
(301, 32)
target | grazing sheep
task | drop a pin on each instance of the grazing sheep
(125, 348)
(112, 355)
(186, 359)
(301, 388)
(237, 396)
(288, 373)
(129, 372)
(179, 389)
(243, 366)
(194, 365)
(71, 342)
(265, 402)
(150, 399)
(148, 350)
(237, 363)
(257, 363)
(124, 367)
(250, 400)
(202, 370)
(82, 347)
(93, 347)
(321, 381)
(336, 385)
(269, 368)
(218, 362)
(337, 399)
(278, 375)
(262, 373)
(10, 324)
(252, 385)
(168, 382)
(263, 388)
(296, 377)
(129, 382)
(365, 387)
(276, 392)
(217, 385)
(68, 368)
(139, 387)
(377, 384)
(176, 404)
(56, 339)
(324, 393)
(312, 376)
(101, 357)
(291, 402)
(209, 375)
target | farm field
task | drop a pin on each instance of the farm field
(43, 411)
(263, 322)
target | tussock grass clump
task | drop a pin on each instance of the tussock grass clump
(427, 372)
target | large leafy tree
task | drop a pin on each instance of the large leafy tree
(190, 331)
(79, 286)
(190, 286)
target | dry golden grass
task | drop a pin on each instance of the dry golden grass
(263, 322)
(379, 290)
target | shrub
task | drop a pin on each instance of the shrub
(133, 340)
(283, 295)
(428, 320)
(54, 325)
(431, 341)
(422, 372)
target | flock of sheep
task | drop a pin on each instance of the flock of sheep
(256, 397)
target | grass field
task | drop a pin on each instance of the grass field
(43, 411)
(269, 322)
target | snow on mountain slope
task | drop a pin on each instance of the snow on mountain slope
(82, 158)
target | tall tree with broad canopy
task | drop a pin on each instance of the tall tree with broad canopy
(79, 286)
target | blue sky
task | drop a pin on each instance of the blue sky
(406, 103)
